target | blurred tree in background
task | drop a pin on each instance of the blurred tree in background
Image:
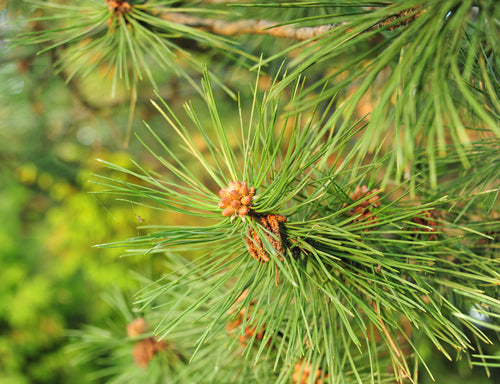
(369, 250)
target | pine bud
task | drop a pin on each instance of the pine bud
(229, 211)
(226, 201)
(244, 188)
(223, 192)
(136, 327)
(236, 199)
(242, 211)
(234, 185)
(246, 200)
(235, 195)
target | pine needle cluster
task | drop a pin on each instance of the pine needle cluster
(328, 241)
(350, 275)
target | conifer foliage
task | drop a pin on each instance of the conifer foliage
(337, 212)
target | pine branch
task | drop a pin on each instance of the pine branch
(314, 253)
(432, 79)
(304, 256)
(277, 29)
(248, 26)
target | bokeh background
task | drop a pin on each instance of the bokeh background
(52, 278)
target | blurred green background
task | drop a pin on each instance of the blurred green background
(51, 276)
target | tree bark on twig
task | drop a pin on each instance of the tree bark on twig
(273, 28)
(249, 26)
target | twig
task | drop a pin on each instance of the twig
(272, 28)
(249, 26)
(386, 332)
(399, 354)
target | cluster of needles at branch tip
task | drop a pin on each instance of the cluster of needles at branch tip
(236, 199)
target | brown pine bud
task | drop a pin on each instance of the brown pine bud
(226, 201)
(244, 188)
(223, 192)
(246, 200)
(137, 327)
(143, 352)
(229, 211)
(236, 199)
(242, 211)
(235, 195)
(234, 185)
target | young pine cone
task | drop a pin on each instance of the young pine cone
(236, 199)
